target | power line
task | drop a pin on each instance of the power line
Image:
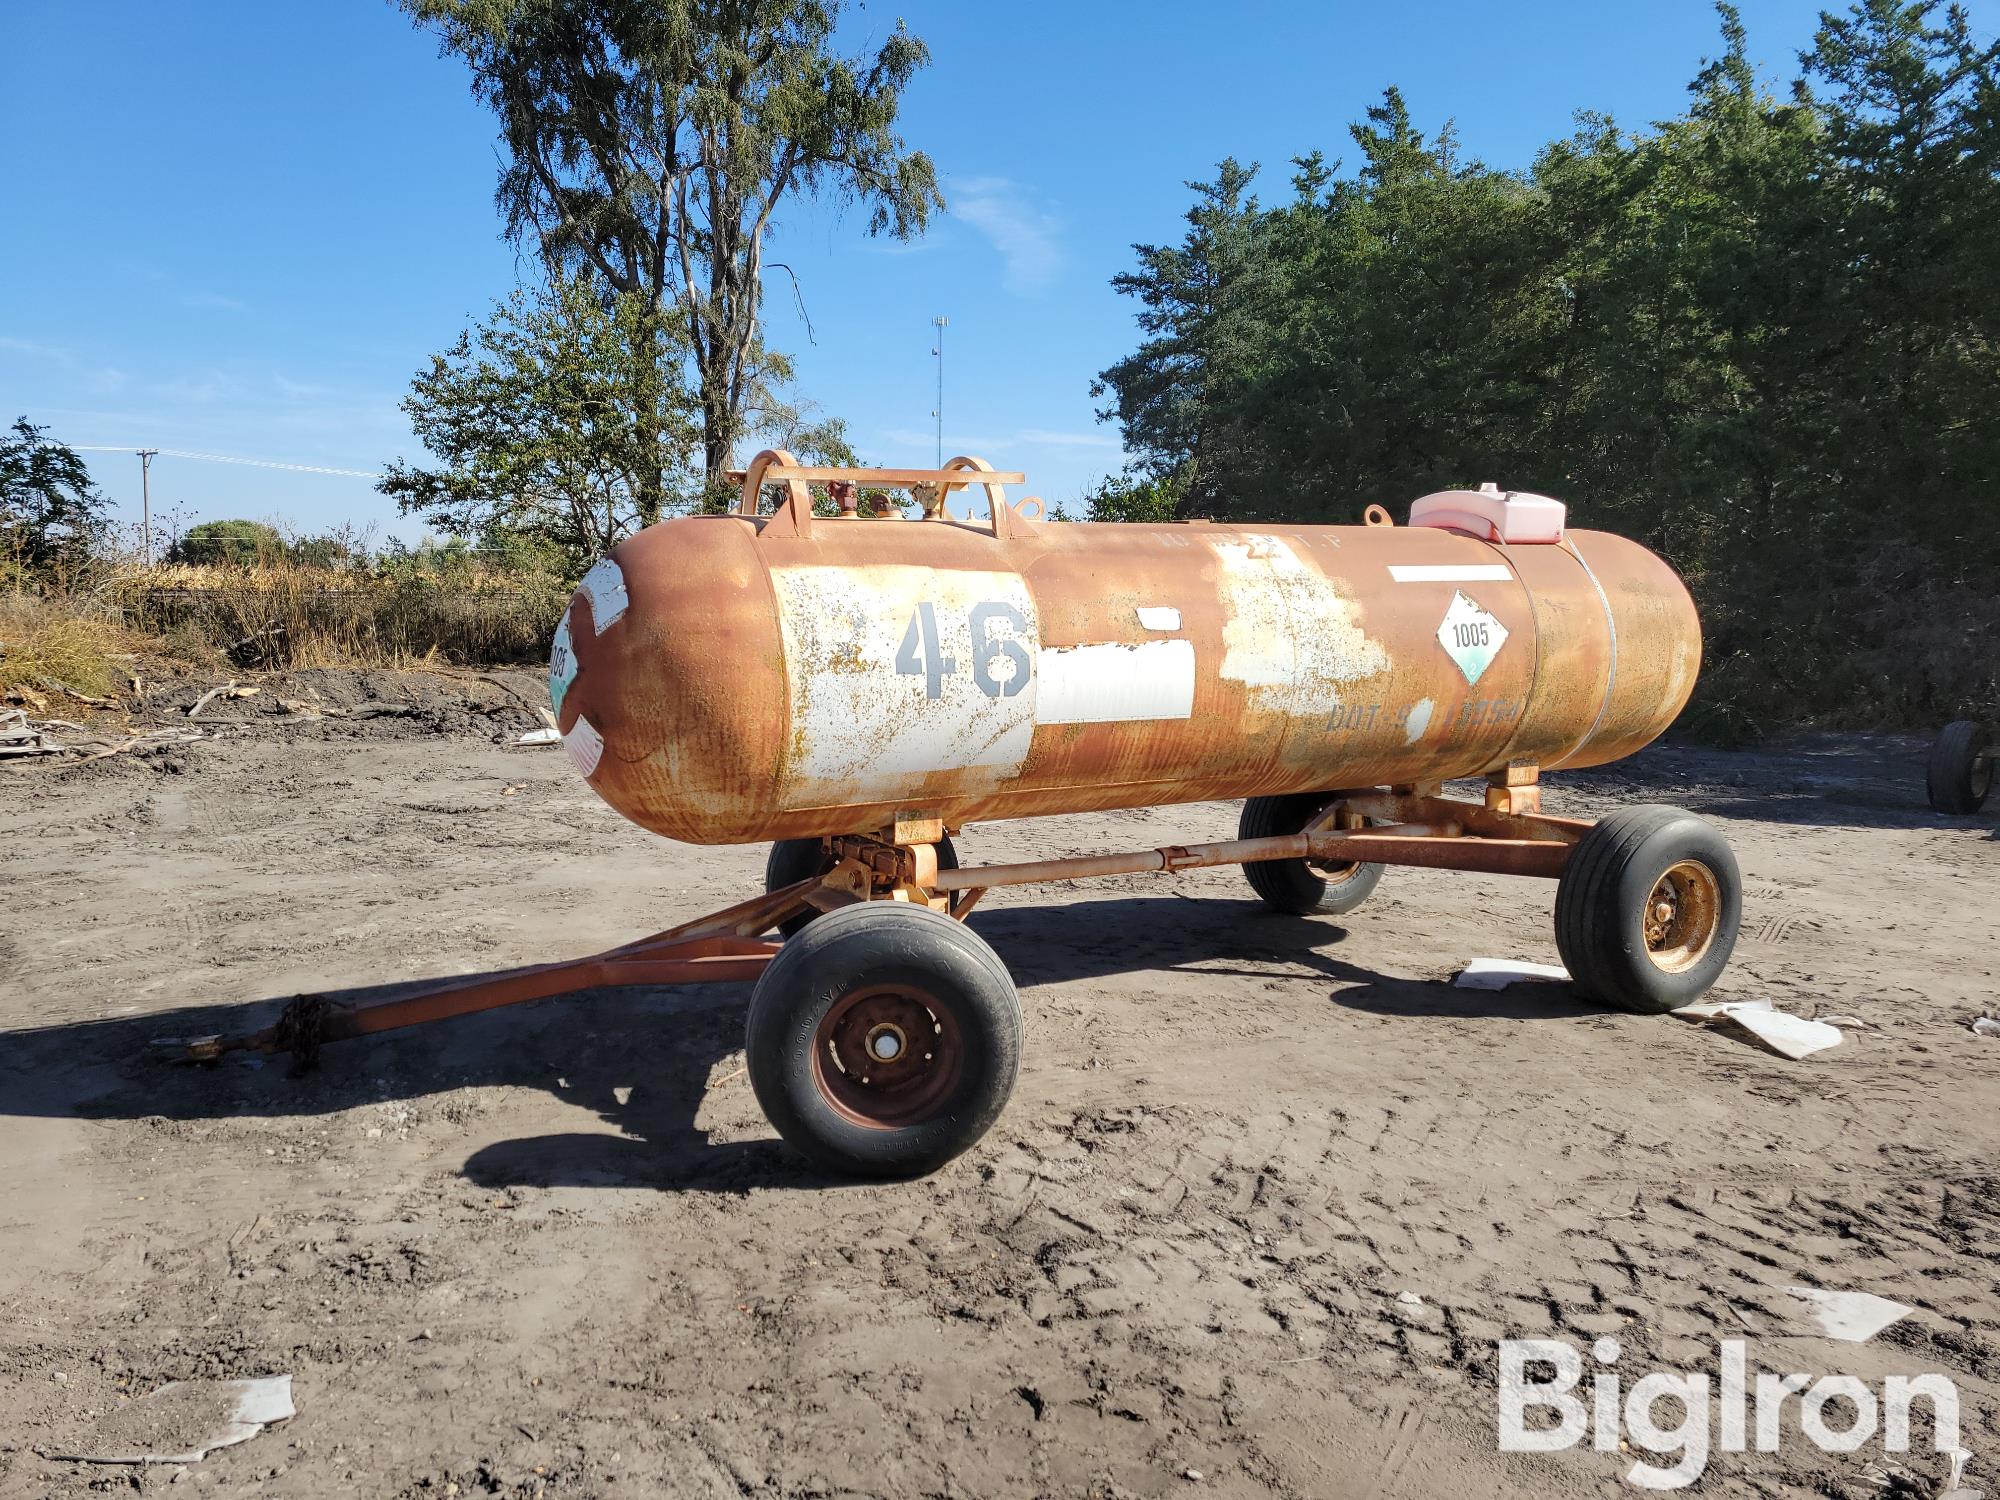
(223, 458)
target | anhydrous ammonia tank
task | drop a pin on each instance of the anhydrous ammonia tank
(720, 680)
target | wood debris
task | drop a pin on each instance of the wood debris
(229, 689)
(20, 736)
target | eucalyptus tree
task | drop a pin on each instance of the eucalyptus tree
(652, 144)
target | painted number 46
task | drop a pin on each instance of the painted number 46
(1000, 663)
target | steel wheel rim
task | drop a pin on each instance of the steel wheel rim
(888, 1057)
(1982, 774)
(1682, 916)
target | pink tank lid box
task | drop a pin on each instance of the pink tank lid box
(1492, 514)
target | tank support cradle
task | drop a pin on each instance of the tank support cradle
(1406, 825)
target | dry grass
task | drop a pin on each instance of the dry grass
(272, 617)
(59, 645)
(289, 616)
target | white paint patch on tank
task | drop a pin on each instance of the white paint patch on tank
(605, 585)
(897, 672)
(1290, 636)
(1417, 720)
(562, 665)
(1114, 684)
(1450, 572)
(585, 746)
(1159, 617)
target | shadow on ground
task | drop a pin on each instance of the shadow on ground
(644, 1059)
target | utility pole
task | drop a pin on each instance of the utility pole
(146, 456)
(940, 321)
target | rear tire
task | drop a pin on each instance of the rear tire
(884, 1039)
(1647, 909)
(1959, 777)
(793, 860)
(1299, 886)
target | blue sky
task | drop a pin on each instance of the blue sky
(239, 228)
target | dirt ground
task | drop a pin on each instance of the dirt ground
(557, 1251)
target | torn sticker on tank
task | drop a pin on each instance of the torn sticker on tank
(1471, 636)
(605, 586)
(1290, 635)
(562, 665)
(585, 746)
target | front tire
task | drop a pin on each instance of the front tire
(1647, 909)
(1960, 775)
(793, 860)
(1299, 886)
(884, 1040)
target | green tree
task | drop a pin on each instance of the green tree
(1909, 103)
(50, 515)
(229, 544)
(531, 418)
(1762, 336)
(1134, 497)
(651, 145)
(1192, 310)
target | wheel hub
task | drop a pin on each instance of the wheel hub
(887, 1057)
(1682, 915)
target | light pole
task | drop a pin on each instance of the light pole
(940, 321)
(146, 456)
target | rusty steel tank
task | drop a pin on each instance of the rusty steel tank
(738, 678)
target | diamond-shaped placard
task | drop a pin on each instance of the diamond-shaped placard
(1471, 636)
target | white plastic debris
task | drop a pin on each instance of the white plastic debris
(1498, 973)
(1985, 1026)
(1709, 1010)
(541, 737)
(1852, 1317)
(1409, 1299)
(1784, 1033)
(1959, 1457)
(186, 1420)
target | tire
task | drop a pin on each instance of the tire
(1959, 777)
(1609, 928)
(793, 860)
(1299, 886)
(869, 976)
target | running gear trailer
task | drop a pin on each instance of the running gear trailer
(856, 690)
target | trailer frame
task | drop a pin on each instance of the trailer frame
(1410, 825)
